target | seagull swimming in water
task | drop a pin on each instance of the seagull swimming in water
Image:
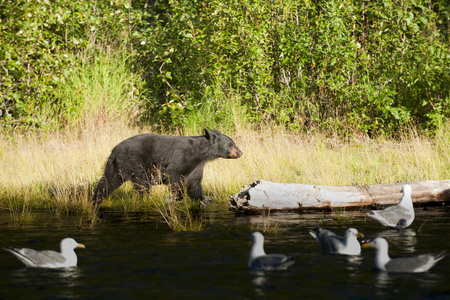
(333, 244)
(401, 214)
(48, 258)
(259, 260)
(413, 264)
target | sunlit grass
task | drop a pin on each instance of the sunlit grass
(159, 205)
(101, 90)
(182, 215)
(59, 171)
(267, 225)
(19, 212)
(315, 159)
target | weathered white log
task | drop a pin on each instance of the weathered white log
(262, 195)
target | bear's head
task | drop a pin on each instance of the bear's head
(225, 147)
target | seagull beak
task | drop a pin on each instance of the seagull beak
(360, 237)
(366, 245)
(81, 246)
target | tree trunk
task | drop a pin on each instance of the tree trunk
(263, 195)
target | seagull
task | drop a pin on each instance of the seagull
(413, 264)
(259, 260)
(331, 243)
(401, 214)
(48, 258)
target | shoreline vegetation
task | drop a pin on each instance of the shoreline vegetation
(367, 68)
(322, 92)
(58, 171)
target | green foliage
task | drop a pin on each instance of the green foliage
(366, 67)
(100, 90)
(41, 42)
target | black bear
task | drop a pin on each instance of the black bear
(149, 159)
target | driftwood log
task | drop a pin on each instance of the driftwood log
(264, 195)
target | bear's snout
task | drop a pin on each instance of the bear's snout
(235, 152)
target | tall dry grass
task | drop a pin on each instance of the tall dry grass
(315, 159)
(55, 171)
(59, 171)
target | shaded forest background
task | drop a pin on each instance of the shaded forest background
(360, 67)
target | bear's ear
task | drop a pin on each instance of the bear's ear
(210, 134)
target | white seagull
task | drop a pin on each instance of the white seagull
(259, 260)
(401, 214)
(48, 258)
(413, 264)
(331, 243)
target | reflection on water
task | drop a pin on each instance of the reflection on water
(139, 260)
(266, 283)
(416, 281)
(64, 277)
(354, 262)
(406, 239)
(382, 280)
(59, 281)
(259, 282)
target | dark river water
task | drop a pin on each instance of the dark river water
(127, 258)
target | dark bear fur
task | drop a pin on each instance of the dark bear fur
(149, 159)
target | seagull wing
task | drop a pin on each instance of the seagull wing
(329, 241)
(337, 244)
(390, 215)
(419, 263)
(32, 257)
(272, 262)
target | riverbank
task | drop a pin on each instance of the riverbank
(58, 171)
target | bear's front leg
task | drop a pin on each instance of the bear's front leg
(194, 183)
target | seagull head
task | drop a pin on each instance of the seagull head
(378, 243)
(68, 244)
(406, 200)
(353, 232)
(401, 224)
(257, 237)
(406, 189)
(258, 245)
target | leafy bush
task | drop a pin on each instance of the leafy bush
(41, 45)
(364, 67)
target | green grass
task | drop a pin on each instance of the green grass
(181, 215)
(58, 172)
(101, 90)
(158, 205)
(19, 212)
(56, 169)
(267, 225)
(340, 215)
